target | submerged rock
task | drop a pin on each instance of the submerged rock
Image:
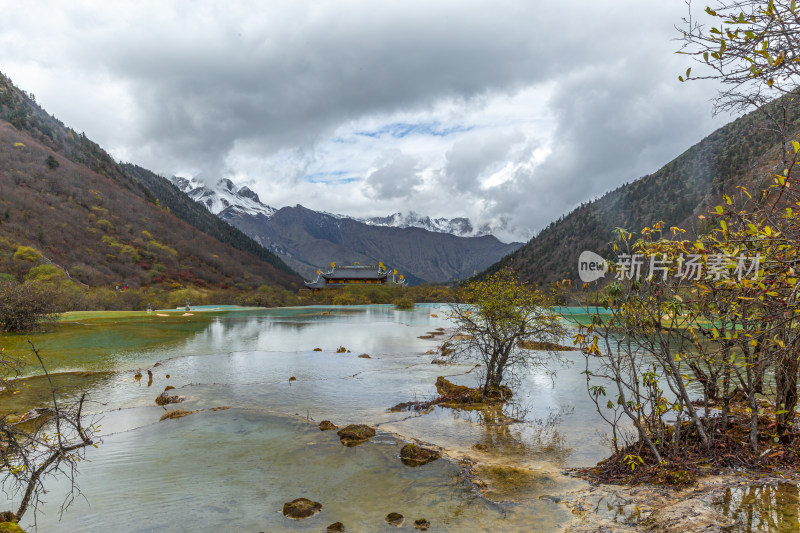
(327, 425)
(301, 508)
(317, 349)
(292, 378)
(365, 356)
(413, 455)
(428, 336)
(394, 519)
(355, 434)
(165, 399)
(168, 387)
(336, 527)
(422, 524)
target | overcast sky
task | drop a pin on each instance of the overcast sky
(497, 110)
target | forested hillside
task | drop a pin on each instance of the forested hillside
(66, 199)
(742, 151)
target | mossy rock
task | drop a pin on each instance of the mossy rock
(355, 434)
(422, 524)
(10, 527)
(327, 425)
(336, 527)
(301, 508)
(413, 455)
(394, 519)
(453, 395)
(166, 399)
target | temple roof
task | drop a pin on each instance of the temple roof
(355, 272)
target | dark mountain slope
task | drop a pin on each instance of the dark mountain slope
(676, 193)
(195, 214)
(64, 196)
(308, 240)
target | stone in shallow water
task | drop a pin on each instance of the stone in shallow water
(326, 425)
(301, 508)
(413, 455)
(164, 399)
(394, 519)
(365, 356)
(422, 524)
(336, 527)
(355, 434)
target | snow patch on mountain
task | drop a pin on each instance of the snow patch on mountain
(223, 196)
(459, 226)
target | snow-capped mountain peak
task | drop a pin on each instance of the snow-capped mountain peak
(222, 196)
(459, 226)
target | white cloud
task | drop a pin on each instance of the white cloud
(487, 109)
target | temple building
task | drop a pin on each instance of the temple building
(339, 276)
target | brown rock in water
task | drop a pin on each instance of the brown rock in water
(413, 455)
(292, 378)
(480, 447)
(365, 356)
(394, 519)
(336, 527)
(440, 362)
(317, 349)
(168, 387)
(422, 524)
(355, 434)
(167, 376)
(327, 425)
(341, 349)
(301, 508)
(165, 399)
(425, 336)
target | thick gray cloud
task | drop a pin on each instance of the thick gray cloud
(395, 177)
(505, 109)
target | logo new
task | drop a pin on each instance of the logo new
(591, 267)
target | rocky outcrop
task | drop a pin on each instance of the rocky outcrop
(355, 434)
(413, 455)
(301, 508)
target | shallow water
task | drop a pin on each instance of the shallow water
(773, 507)
(236, 468)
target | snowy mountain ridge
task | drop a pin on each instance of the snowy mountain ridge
(225, 196)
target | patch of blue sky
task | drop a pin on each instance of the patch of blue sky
(398, 130)
(334, 177)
